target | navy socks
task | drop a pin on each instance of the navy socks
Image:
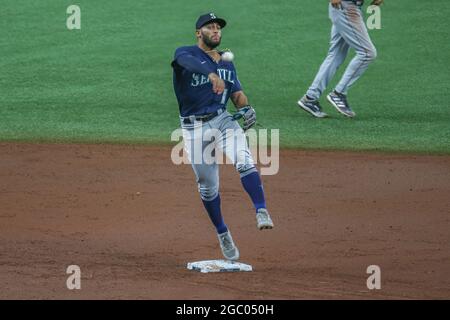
(253, 185)
(213, 208)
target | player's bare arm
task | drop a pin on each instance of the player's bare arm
(336, 3)
(239, 99)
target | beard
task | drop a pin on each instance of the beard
(209, 42)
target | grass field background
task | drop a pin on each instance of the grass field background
(111, 81)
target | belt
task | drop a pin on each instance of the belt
(203, 118)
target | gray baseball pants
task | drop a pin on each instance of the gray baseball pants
(348, 31)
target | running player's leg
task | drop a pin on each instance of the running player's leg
(350, 24)
(336, 56)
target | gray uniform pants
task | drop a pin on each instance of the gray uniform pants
(202, 140)
(348, 31)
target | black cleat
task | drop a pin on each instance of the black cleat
(311, 106)
(339, 101)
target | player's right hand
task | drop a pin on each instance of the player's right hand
(217, 83)
(336, 3)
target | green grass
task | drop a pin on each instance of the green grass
(111, 81)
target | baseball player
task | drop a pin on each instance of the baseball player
(203, 83)
(348, 31)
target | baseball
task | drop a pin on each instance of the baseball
(227, 56)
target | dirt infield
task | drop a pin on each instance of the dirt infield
(132, 220)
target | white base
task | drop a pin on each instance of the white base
(218, 266)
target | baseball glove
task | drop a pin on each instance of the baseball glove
(249, 116)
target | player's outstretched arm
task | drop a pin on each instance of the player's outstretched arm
(193, 64)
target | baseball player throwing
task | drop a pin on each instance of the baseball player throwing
(348, 31)
(203, 83)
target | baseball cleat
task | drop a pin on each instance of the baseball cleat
(263, 219)
(311, 106)
(229, 249)
(339, 101)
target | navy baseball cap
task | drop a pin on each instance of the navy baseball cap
(208, 18)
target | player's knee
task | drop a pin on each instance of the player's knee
(244, 161)
(369, 54)
(372, 54)
(208, 192)
(245, 169)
